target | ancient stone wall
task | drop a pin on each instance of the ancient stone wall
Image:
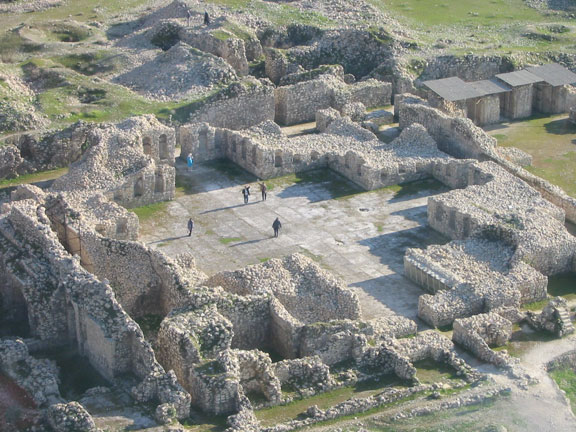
(458, 137)
(299, 102)
(79, 309)
(248, 104)
(517, 103)
(469, 67)
(553, 100)
(30, 152)
(145, 281)
(480, 332)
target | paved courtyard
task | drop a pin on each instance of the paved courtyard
(359, 237)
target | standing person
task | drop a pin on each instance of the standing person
(206, 18)
(263, 189)
(190, 226)
(189, 16)
(246, 193)
(276, 225)
(190, 161)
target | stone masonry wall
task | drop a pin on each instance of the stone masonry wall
(251, 103)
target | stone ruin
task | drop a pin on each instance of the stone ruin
(77, 277)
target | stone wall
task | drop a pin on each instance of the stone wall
(145, 281)
(299, 102)
(30, 152)
(266, 152)
(77, 308)
(480, 332)
(469, 67)
(246, 104)
(553, 99)
(458, 137)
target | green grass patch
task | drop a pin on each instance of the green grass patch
(278, 414)
(566, 380)
(263, 260)
(92, 63)
(228, 240)
(33, 178)
(150, 211)
(536, 306)
(430, 371)
(550, 140)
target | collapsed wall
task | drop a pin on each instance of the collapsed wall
(130, 163)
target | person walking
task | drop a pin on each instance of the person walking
(206, 18)
(190, 226)
(263, 189)
(246, 193)
(190, 161)
(276, 225)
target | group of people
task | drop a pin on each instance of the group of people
(263, 191)
(276, 225)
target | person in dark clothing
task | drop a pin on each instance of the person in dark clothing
(190, 226)
(276, 225)
(206, 18)
(263, 189)
(246, 193)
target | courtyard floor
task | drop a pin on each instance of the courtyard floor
(358, 236)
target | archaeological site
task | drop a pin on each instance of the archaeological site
(277, 215)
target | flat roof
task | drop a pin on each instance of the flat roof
(519, 78)
(554, 74)
(452, 89)
(490, 87)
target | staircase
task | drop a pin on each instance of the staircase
(565, 326)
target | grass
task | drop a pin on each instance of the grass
(482, 26)
(429, 372)
(85, 10)
(33, 178)
(536, 306)
(150, 211)
(278, 414)
(470, 418)
(555, 160)
(566, 380)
